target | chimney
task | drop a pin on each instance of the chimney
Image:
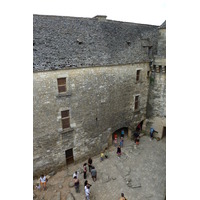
(100, 17)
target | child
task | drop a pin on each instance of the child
(115, 142)
(121, 142)
(84, 170)
(119, 151)
(38, 186)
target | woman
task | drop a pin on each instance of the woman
(119, 151)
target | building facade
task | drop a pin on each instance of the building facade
(91, 78)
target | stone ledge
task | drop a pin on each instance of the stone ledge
(64, 94)
(66, 130)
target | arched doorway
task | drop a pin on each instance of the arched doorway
(117, 134)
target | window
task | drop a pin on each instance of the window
(160, 68)
(148, 72)
(65, 119)
(136, 102)
(61, 85)
(138, 75)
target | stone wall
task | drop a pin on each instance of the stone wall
(100, 100)
(156, 107)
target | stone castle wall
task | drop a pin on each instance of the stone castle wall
(156, 109)
(100, 100)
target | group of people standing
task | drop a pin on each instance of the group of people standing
(87, 186)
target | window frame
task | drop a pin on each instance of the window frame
(136, 102)
(62, 85)
(65, 119)
(138, 75)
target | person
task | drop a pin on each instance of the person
(152, 131)
(43, 181)
(101, 156)
(136, 136)
(75, 174)
(115, 142)
(122, 197)
(121, 142)
(76, 184)
(137, 141)
(87, 192)
(119, 151)
(38, 186)
(122, 133)
(138, 127)
(106, 152)
(90, 164)
(86, 183)
(94, 174)
(84, 170)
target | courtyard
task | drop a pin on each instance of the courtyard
(140, 173)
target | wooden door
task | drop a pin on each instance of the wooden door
(69, 156)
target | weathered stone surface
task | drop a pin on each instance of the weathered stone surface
(52, 173)
(70, 197)
(71, 184)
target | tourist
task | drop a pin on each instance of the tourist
(87, 192)
(115, 142)
(76, 184)
(38, 186)
(84, 170)
(121, 142)
(90, 164)
(136, 136)
(94, 174)
(75, 174)
(43, 181)
(122, 133)
(122, 197)
(152, 131)
(86, 183)
(119, 151)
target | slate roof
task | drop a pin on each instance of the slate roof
(68, 42)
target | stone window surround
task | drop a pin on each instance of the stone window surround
(66, 130)
(140, 76)
(68, 92)
(139, 96)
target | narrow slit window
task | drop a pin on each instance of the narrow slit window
(138, 75)
(61, 85)
(65, 119)
(136, 102)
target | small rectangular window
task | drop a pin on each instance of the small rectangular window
(138, 75)
(61, 85)
(136, 102)
(65, 119)
(148, 72)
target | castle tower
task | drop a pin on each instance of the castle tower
(156, 106)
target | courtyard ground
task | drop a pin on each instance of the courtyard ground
(139, 173)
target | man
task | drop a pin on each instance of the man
(151, 133)
(122, 197)
(94, 174)
(122, 133)
(87, 192)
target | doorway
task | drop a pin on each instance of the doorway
(69, 156)
(164, 132)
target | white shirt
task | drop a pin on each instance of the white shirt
(75, 175)
(87, 191)
(43, 180)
